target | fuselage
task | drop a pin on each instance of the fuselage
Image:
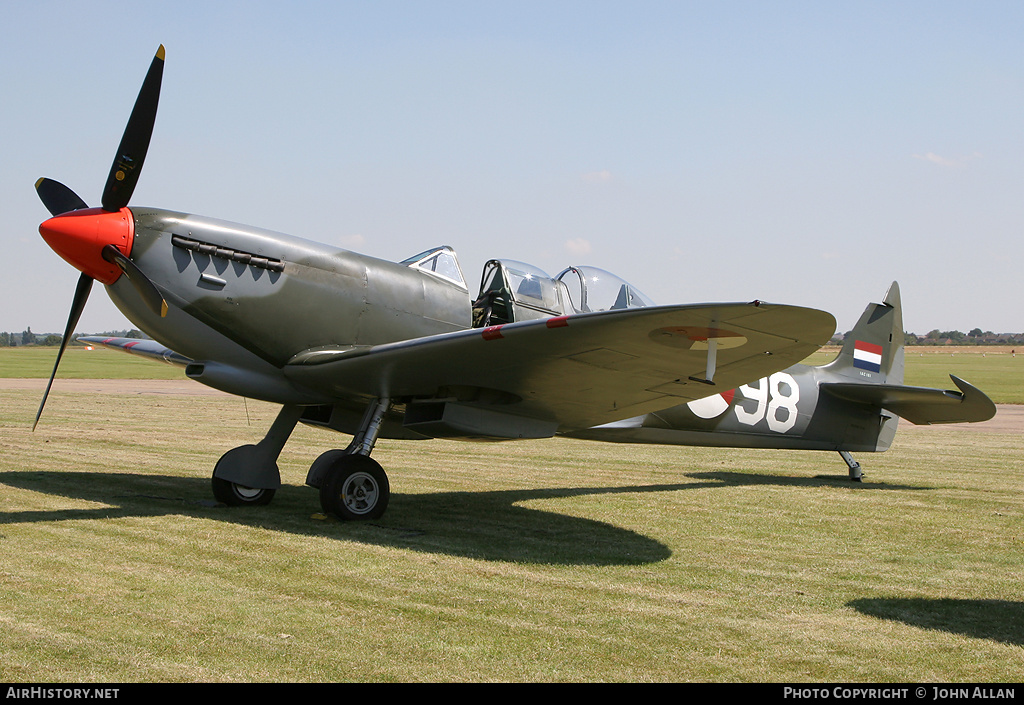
(244, 302)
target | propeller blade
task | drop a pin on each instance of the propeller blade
(77, 306)
(57, 197)
(131, 153)
(143, 284)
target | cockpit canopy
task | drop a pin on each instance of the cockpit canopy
(514, 291)
(439, 261)
(593, 289)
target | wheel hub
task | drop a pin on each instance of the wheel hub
(361, 493)
(247, 492)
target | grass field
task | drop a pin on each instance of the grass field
(553, 560)
(81, 363)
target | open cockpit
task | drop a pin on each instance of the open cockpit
(513, 291)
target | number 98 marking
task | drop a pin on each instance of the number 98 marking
(776, 398)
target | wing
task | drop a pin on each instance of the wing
(142, 347)
(920, 405)
(573, 372)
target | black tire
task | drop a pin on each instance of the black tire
(355, 488)
(235, 495)
(321, 466)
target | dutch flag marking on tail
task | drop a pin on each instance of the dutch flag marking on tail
(867, 356)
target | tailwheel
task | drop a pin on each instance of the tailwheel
(355, 487)
(856, 474)
(235, 495)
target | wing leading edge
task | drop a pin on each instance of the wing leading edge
(139, 346)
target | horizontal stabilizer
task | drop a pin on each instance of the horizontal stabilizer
(919, 405)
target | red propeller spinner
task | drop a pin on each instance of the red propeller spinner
(80, 238)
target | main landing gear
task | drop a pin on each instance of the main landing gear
(352, 484)
(248, 475)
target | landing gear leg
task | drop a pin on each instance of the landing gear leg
(352, 484)
(855, 472)
(248, 475)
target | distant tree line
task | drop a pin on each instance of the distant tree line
(935, 337)
(27, 337)
(974, 337)
(952, 337)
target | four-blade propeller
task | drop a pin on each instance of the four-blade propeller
(77, 232)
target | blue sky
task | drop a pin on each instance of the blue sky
(798, 152)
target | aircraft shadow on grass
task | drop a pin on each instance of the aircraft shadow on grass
(996, 620)
(488, 525)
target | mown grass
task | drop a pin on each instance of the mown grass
(81, 363)
(553, 560)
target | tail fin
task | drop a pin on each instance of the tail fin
(873, 350)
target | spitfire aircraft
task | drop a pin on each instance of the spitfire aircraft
(373, 348)
(851, 404)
